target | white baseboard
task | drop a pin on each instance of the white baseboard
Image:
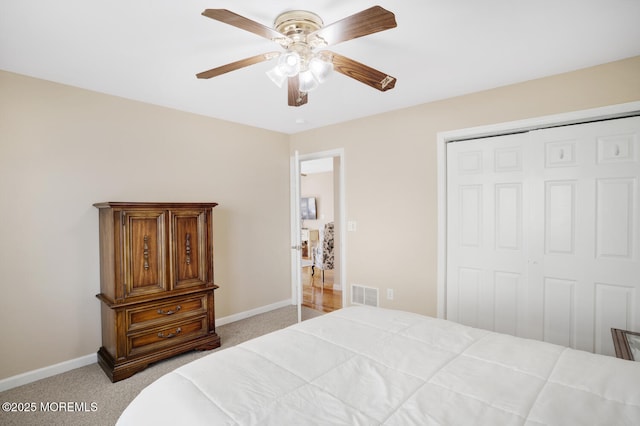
(43, 373)
(252, 312)
(52, 370)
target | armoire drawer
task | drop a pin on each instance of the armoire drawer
(167, 335)
(156, 314)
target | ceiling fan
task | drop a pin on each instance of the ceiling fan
(305, 63)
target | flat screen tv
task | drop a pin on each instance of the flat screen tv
(308, 208)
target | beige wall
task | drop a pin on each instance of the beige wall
(63, 149)
(390, 170)
(319, 185)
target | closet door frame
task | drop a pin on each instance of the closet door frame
(576, 117)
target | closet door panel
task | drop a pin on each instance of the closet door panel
(615, 210)
(486, 267)
(591, 234)
(470, 215)
(544, 233)
(507, 287)
(560, 217)
(559, 311)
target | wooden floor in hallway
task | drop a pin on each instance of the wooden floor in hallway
(317, 296)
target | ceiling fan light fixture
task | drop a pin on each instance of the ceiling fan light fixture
(288, 66)
(276, 75)
(307, 81)
(302, 35)
(289, 63)
(320, 68)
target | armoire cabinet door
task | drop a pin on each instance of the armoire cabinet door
(189, 248)
(144, 252)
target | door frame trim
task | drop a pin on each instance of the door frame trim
(525, 125)
(340, 215)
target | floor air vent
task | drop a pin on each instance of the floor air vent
(361, 295)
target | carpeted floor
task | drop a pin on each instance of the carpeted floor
(97, 401)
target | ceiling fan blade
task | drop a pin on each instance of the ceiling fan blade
(231, 18)
(363, 23)
(237, 65)
(363, 73)
(295, 96)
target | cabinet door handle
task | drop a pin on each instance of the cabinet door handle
(170, 335)
(170, 311)
(145, 252)
(188, 248)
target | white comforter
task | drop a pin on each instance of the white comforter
(370, 366)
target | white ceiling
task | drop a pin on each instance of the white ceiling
(150, 51)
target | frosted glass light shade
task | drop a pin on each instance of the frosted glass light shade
(276, 76)
(320, 69)
(315, 71)
(307, 81)
(289, 64)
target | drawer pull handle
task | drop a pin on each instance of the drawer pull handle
(169, 312)
(188, 248)
(170, 335)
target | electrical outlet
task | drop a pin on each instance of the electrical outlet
(389, 294)
(352, 225)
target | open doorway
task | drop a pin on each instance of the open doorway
(321, 237)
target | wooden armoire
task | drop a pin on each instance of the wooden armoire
(156, 283)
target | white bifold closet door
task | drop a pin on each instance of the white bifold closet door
(543, 233)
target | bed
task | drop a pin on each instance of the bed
(374, 366)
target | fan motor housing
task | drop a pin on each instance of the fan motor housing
(297, 23)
